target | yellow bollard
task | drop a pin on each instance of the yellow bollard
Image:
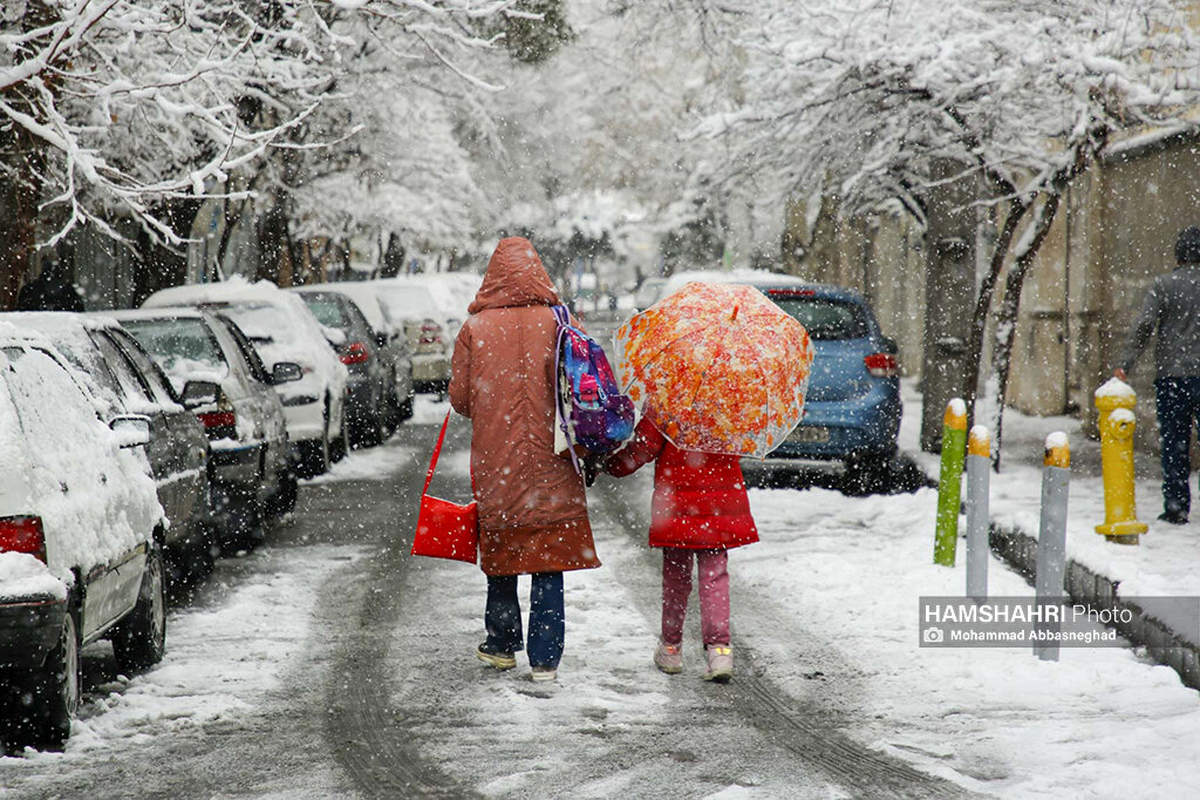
(1115, 401)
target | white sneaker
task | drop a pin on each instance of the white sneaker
(720, 663)
(668, 658)
(543, 674)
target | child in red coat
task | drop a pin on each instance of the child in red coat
(700, 506)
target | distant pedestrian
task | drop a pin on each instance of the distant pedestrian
(699, 507)
(1172, 306)
(532, 507)
(52, 290)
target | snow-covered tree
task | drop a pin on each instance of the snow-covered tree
(863, 98)
(604, 120)
(111, 107)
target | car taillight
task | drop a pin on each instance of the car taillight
(23, 535)
(355, 353)
(882, 365)
(222, 423)
(218, 419)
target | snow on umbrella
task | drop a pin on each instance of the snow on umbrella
(719, 367)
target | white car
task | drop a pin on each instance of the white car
(81, 539)
(283, 330)
(412, 308)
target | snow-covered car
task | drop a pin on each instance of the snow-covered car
(367, 409)
(412, 308)
(123, 377)
(392, 341)
(81, 539)
(282, 329)
(220, 378)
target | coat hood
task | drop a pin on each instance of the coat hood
(515, 277)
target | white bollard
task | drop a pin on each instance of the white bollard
(1052, 536)
(979, 463)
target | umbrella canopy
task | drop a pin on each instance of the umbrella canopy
(717, 367)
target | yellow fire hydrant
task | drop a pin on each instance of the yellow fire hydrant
(1115, 401)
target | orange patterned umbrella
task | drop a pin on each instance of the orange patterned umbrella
(719, 368)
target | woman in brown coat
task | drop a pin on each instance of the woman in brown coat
(532, 507)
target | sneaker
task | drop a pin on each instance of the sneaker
(495, 658)
(1174, 517)
(720, 663)
(540, 674)
(668, 658)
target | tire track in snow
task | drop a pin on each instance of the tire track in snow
(815, 731)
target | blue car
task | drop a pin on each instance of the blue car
(852, 409)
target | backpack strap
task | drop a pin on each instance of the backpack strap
(563, 317)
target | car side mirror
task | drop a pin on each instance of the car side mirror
(199, 393)
(286, 372)
(889, 345)
(132, 430)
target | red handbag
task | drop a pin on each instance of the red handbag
(445, 529)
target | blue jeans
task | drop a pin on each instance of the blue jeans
(1178, 401)
(547, 626)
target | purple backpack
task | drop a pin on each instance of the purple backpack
(592, 409)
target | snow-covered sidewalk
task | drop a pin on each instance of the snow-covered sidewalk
(1165, 564)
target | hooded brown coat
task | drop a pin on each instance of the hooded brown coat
(532, 505)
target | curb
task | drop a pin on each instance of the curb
(1019, 550)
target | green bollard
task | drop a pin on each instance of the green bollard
(954, 446)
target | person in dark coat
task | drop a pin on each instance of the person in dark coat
(699, 507)
(1172, 307)
(51, 290)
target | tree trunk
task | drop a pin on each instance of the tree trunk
(983, 303)
(1006, 321)
(949, 289)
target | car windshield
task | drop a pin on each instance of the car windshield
(327, 310)
(823, 317)
(176, 343)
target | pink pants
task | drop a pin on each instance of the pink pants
(714, 594)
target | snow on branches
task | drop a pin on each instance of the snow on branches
(113, 107)
(862, 96)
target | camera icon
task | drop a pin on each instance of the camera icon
(933, 636)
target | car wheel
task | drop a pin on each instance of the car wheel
(868, 473)
(141, 638)
(340, 446)
(44, 710)
(285, 497)
(406, 409)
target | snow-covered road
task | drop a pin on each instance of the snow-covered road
(329, 663)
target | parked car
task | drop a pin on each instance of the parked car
(81, 539)
(124, 378)
(220, 378)
(412, 308)
(393, 345)
(282, 329)
(368, 389)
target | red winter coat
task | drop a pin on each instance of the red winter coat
(700, 500)
(532, 507)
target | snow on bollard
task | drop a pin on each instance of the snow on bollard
(1115, 401)
(979, 460)
(954, 442)
(1052, 540)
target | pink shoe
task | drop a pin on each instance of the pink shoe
(668, 658)
(720, 663)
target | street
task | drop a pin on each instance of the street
(329, 662)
